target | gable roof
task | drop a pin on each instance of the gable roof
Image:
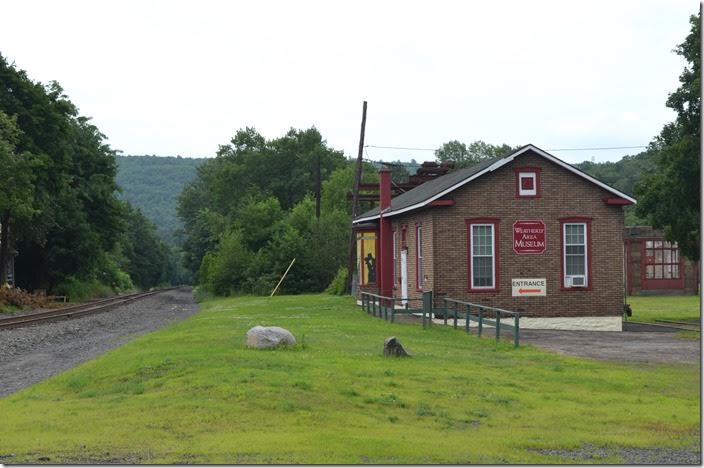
(432, 190)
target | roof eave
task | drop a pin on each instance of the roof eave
(498, 164)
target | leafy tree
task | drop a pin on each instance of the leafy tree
(469, 155)
(258, 221)
(224, 269)
(249, 186)
(16, 190)
(145, 256)
(77, 223)
(669, 196)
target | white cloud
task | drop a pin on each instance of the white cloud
(181, 77)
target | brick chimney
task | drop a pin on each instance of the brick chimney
(386, 255)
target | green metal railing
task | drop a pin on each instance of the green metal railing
(481, 318)
(385, 307)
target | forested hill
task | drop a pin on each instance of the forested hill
(153, 184)
(623, 175)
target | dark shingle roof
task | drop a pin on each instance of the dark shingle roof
(431, 188)
(425, 193)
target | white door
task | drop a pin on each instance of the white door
(404, 276)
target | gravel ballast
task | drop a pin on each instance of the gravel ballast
(31, 354)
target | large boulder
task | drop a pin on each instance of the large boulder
(392, 347)
(269, 337)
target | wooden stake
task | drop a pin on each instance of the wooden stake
(352, 258)
(282, 278)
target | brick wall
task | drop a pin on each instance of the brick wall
(563, 194)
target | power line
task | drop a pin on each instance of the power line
(555, 149)
(597, 149)
(402, 148)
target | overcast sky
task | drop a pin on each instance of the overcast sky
(180, 77)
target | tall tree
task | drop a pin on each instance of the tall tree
(669, 197)
(469, 155)
(79, 218)
(16, 189)
(237, 183)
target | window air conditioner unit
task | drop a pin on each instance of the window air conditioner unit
(576, 281)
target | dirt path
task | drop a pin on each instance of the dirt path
(31, 354)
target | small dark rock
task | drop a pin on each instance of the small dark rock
(392, 347)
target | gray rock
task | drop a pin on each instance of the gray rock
(392, 347)
(269, 337)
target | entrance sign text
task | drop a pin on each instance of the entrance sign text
(521, 287)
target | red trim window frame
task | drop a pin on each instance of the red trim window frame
(587, 223)
(419, 257)
(655, 245)
(524, 171)
(394, 236)
(494, 223)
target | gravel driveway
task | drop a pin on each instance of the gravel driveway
(656, 347)
(31, 354)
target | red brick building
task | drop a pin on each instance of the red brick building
(524, 232)
(655, 266)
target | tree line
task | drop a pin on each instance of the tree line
(59, 213)
(251, 210)
(261, 203)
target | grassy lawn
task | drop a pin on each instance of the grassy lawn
(650, 308)
(193, 393)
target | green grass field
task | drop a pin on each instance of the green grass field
(193, 393)
(651, 308)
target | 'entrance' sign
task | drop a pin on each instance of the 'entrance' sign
(529, 237)
(521, 287)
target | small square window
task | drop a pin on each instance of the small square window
(528, 184)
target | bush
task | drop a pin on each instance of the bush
(81, 289)
(224, 269)
(338, 286)
(20, 298)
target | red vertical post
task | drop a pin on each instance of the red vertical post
(386, 255)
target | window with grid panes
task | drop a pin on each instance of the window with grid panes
(662, 260)
(575, 250)
(482, 263)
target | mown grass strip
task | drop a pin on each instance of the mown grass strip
(652, 308)
(193, 393)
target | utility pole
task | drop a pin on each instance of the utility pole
(355, 201)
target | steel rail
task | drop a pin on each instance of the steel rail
(74, 310)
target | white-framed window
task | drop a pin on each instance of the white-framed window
(575, 254)
(482, 245)
(419, 256)
(527, 184)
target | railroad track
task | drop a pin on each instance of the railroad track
(75, 310)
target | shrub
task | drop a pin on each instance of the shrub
(81, 289)
(20, 298)
(223, 270)
(338, 285)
